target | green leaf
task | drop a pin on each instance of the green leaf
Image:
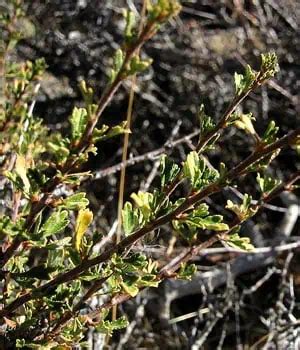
(148, 281)
(238, 242)
(195, 170)
(137, 65)
(78, 120)
(244, 210)
(130, 25)
(76, 201)
(130, 289)
(118, 130)
(99, 134)
(270, 135)
(59, 147)
(117, 64)
(267, 183)
(56, 223)
(107, 132)
(130, 218)
(108, 327)
(168, 170)
(244, 82)
(199, 218)
(87, 92)
(136, 260)
(145, 202)
(58, 244)
(193, 167)
(118, 59)
(213, 222)
(187, 271)
(8, 228)
(205, 121)
(238, 82)
(201, 211)
(16, 180)
(269, 65)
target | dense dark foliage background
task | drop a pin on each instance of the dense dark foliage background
(195, 58)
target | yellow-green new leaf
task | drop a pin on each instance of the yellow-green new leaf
(84, 218)
(132, 290)
(21, 170)
(143, 201)
(243, 243)
(245, 123)
(78, 120)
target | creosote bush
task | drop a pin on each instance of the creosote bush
(50, 265)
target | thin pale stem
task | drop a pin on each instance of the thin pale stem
(125, 149)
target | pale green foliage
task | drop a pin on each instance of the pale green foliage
(56, 223)
(131, 218)
(133, 273)
(242, 243)
(162, 10)
(244, 210)
(78, 120)
(206, 123)
(107, 132)
(141, 213)
(244, 82)
(137, 65)
(130, 25)
(144, 201)
(108, 327)
(244, 122)
(53, 232)
(266, 183)
(270, 134)
(269, 65)
(76, 201)
(58, 147)
(168, 170)
(199, 219)
(117, 64)
(199, 174)
(187, 271)
(87, 93)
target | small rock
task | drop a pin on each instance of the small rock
(74, 35)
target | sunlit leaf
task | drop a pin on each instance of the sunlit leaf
(56, 223)
(84, 218)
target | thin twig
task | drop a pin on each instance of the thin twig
(125, 148)
(152, 155)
